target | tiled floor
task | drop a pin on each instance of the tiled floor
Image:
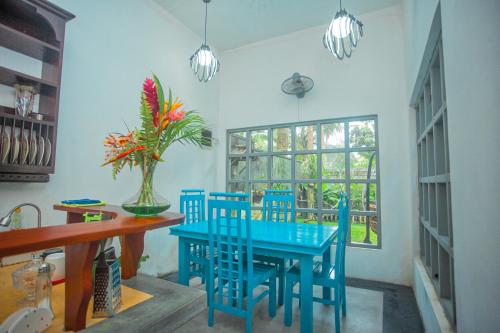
(364, 314)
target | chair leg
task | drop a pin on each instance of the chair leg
(344, 305)
(211, 316)
(337, 302)
(281, 278)
(272, 296)
(288, 302)
(207, 284)
(249, 317)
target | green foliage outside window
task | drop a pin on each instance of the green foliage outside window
(318, 163)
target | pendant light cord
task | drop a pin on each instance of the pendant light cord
(298, 110)
(206, 14)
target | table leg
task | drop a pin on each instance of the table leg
(327, 261)
(183, 261)
(79, 261)
(132, 248)
(306, 294)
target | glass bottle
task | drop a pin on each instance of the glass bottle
(44, 287)
(25, 279)
(17, 219)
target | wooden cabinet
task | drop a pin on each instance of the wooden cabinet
(34, 28)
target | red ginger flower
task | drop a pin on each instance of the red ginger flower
(149, 89)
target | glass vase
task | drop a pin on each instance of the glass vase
(25, 96)
(146, 202)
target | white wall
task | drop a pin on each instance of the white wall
(371, 82)
(472, 73)
(111, 46)
(417, 20)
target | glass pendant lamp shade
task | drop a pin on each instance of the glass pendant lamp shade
(343, 34)
(203, 61)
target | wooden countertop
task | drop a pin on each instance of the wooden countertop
(121, 223)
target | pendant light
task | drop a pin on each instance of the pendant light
(343, 34)
(203, 62)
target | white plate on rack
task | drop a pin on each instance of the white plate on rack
(48, 151)
(41, 148)
(33, 149)
(24, 149)
(5, 144)
(15, 148)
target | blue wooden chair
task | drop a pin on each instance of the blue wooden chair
(277, 206)
(327, 277)
(192, 205)
(233, 274)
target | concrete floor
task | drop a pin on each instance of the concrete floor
(364, 314)
(171, 306)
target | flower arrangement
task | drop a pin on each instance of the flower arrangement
(163, 122)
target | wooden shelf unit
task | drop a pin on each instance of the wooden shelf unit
(20, 42)
(36, 29)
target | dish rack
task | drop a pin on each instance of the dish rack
(26, 146)
(34, 29)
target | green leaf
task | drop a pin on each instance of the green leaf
(148, 132)
(169, 99)
(159, 92)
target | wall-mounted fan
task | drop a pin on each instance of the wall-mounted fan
(297, 85)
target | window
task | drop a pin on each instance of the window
(435, 221)
(317, 160)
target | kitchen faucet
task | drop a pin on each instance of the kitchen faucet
(7, 219)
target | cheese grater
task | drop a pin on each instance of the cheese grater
(107, 286)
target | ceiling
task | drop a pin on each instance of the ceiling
(234, 23)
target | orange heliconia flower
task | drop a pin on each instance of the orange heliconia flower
(173, 114)
(164, 123)
(123, 140)
(110, 140)
(123, 154)
(175, 105)
(114, 140)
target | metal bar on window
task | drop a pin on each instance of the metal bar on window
(319, 150)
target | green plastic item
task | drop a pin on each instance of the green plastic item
(92, 217)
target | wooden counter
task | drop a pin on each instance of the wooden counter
(81, 241)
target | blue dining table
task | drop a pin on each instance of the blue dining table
(296, 241)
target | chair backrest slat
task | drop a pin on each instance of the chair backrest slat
(343, 229)
(278, 206)
(192, 205)
(229, 231)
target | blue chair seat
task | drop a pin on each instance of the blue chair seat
(320, 277)
(268, 259)
(261, 273)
